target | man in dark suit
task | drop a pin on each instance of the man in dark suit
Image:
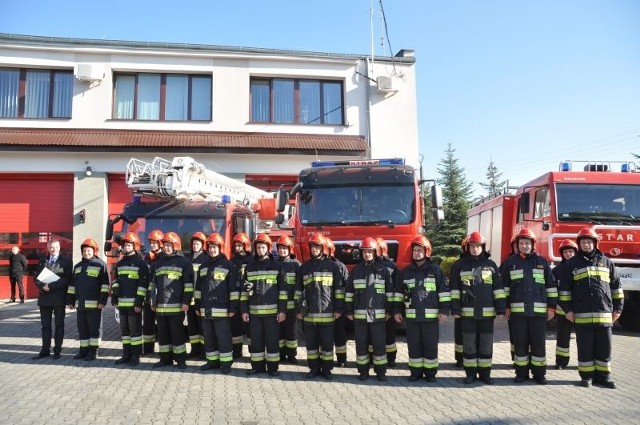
(17, 269)
(52, 298)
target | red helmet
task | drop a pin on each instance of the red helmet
(155, 235)
(421, 240)
(133, 238)
(330, 248)
(476, 237)
(216, 239)
(173, 238)
(199, 236)
(243, 238)
(318, 239)
(382, 246)
(285, 241)
(369, 243)
(568, 244)
(526, 234)
(587, 232)
(263, 238)
(91, 244)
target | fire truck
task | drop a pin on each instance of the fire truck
(350, 200)
(182, 196)
(603, 195)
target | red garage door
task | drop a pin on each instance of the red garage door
(118, 193)
(32, 210)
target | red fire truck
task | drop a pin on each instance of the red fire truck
(555, 206)
(350, 200)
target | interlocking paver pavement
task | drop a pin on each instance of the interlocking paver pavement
(68, 391)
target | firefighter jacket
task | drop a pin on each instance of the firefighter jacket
(196, 261)
(390, 265)
(426, 290)
(89, 285)
(217, 292)
(476, 288)
(370, 293)
(290, 268)
(319, 290)
(129, 287)
(263, 291)
(171, 284)
(557, 275)
(590, 288)
(529, 284)
(241, 261)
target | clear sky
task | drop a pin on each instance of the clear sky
(525, 83)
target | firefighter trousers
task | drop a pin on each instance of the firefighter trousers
(373, 333)
(148, 329)
(89, 329)
(511, 343)
(318, 339)
(529, 339)
(563, 340)
(594, 352)
(265, 333)
(131, 329)
(217, 341)
(457, 339)
(340, 338)
(390, 341)
(237, 334)
(194, 328)
(477, 342)
(171, 338)
(288, 340)
(422, 344)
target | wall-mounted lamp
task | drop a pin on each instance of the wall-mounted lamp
(88, 171)
(82, 215)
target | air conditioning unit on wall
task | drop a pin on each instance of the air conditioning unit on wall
(385, 84)
(88, 73)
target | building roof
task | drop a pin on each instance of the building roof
(191, 141)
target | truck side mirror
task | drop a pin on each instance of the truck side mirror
(524, 202)
(436, 197)
(279, 218)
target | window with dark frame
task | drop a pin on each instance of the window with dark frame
(35, 93)
(296, 101)
(162, 97)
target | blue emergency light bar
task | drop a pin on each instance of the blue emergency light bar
(625, 167)
(386, 161)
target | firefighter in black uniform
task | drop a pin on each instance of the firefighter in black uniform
(194, 328)
(369, 301)
(339, 325)
(290, 265)
(171, 289)
(477, 296)
(263, 303)
(390, 324)
(88, 292)
(423, 284)
(217, 297)
(148, 315)
(532, 296)
(568, 249)
(320, 296)
(240, 258)
(457, 323)
(128, 292)
(592, 297)
(514, 251)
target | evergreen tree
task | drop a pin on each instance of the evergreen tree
(493, 185)
(446, 236)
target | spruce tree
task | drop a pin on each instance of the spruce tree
(493, 185)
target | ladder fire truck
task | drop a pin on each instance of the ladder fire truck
(556, 205)
(182, 196)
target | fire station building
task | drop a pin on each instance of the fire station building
(74, 111)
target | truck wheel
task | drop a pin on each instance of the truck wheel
(630, 319)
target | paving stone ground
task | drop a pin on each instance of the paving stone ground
(68, 391)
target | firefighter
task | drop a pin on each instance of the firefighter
(148, 315)
(390, 324)
(532, 296)
(216, 300)
(339, 325)
(592, 297)
(477, 296)
(290, 266)
(369, 301)
(171, 288)
(457, 323)
(128, 292)
(423, 284)
(263, 303)
(568, 249)
(514, 251)
(240, 258)
(88, 292)
(194, 328)
(320, 295)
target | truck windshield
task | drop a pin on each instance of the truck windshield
(183, 226)
(362, 205)
(598, 203)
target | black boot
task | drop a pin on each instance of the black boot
(84, 351)
(91, 355)
(126, 354)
